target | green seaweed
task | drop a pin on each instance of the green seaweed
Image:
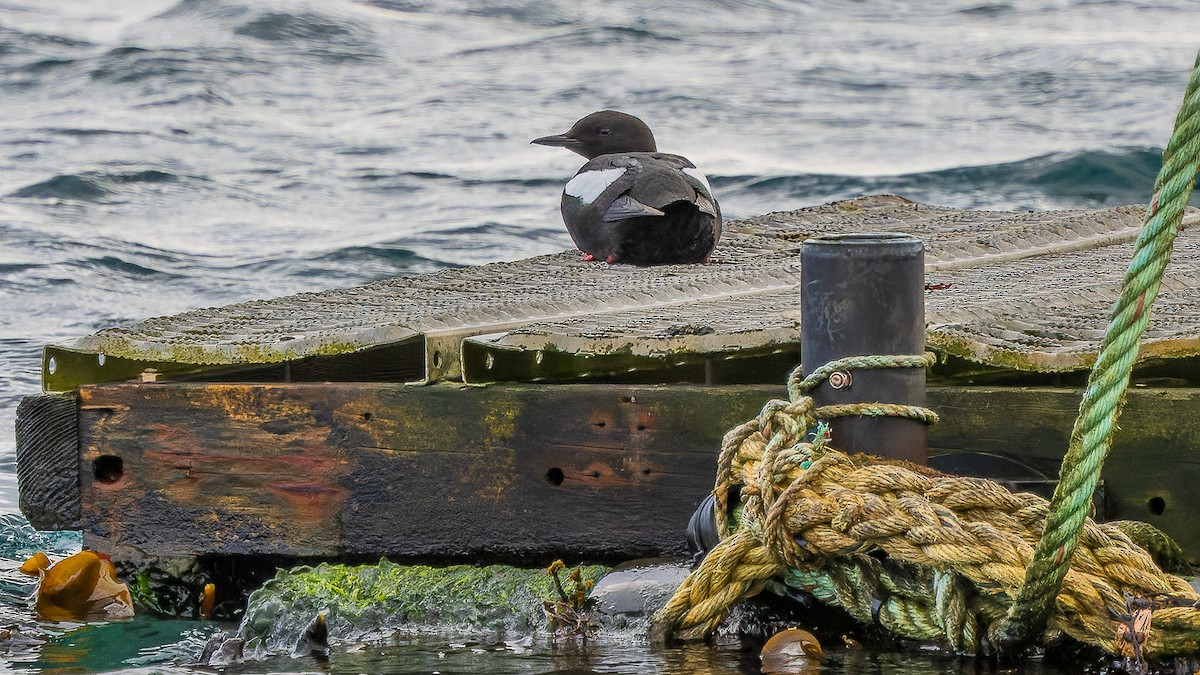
(375, 599)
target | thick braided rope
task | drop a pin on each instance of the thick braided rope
(799, 414)
(737, 567)
(1092, 434)
(956, 550)
(979, 533)
(740, 566)
(919, 603)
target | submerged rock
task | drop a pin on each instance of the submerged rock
(12, 639)
(362, 602)
(629, 595)
(314, 639)
(222, 649)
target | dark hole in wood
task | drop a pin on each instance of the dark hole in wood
(108, 469)
(555, 476)
(437, 359)
(600, 424)
(1157, 505)
(366, 416)
(626, 399)
(641, 427)
(595, 474)
(279, 427)
(645, 472)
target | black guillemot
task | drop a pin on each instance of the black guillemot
(631, 203)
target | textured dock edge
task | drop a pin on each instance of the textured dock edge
(48, 460)
(1023, 290)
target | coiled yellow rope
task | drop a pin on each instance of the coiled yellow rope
(926, 555)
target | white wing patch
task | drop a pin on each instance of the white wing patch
(695, 173)
(590, 184)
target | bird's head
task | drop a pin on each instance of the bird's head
(604, 133)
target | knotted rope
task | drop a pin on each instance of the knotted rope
(925, 555)
(930, 556)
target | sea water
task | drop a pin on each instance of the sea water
(162, 155)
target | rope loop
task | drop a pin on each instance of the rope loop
(798, 385)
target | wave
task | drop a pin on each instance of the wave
(175, 66)
(1089, 178)
(309, 33)
(15, 42)
(44, 258)
(350, 264)
(122, 267)
(316, 35)
(71, 187)
(388, 253)
(578, 38)
(416, 253)
(988, 10)
(1081, 179)
(95, 187)
(87, 133)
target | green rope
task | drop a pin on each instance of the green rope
(798, 387)
(1092, 435)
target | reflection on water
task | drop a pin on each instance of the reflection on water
(147, 645)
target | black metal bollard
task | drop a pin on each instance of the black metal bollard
(861, 294)
(864, 294)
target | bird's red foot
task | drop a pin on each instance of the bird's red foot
(586, 257)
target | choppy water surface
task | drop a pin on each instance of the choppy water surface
(162, 155)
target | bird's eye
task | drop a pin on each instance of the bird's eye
(604, 131)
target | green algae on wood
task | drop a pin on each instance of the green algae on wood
(65, 369)
(484, 360)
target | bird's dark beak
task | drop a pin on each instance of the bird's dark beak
(559, 141)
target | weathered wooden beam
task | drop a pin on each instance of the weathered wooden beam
(524, 472)
(440, 471)
(1150, 474)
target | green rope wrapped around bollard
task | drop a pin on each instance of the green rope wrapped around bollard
(1092, 434)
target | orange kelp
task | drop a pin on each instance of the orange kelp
(792, 651)
(208, 601)
(79, 588)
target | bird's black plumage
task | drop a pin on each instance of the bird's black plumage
(630, 203)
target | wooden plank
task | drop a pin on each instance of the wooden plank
(982, 306)
(439, 471)
(1149, 475)
(508, 472)
(48, 461)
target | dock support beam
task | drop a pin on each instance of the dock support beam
(864, 294)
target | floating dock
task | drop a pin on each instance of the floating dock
(550, 408)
